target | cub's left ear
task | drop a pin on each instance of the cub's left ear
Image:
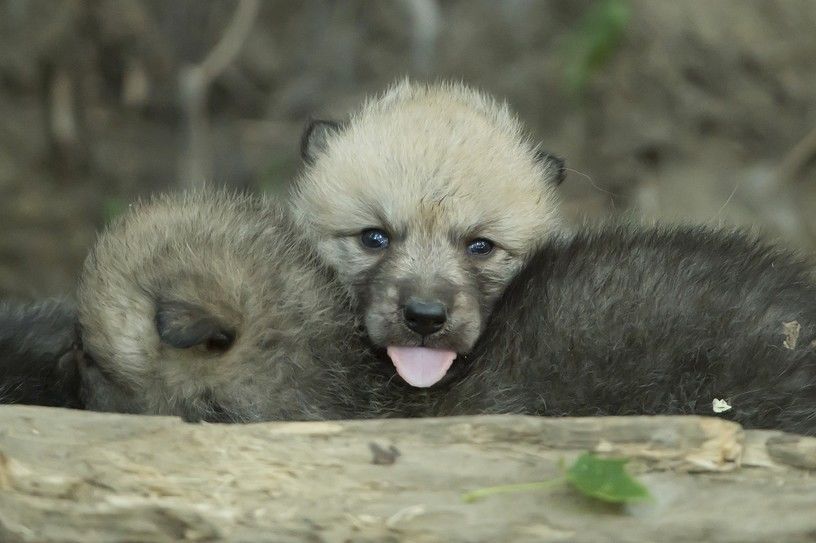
(554, 165)
(184, 325)
(316, 137)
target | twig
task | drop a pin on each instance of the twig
(194, 83)
(63, 118)
(484, 492)
(426, 22)
(797, 158)
(231, 42)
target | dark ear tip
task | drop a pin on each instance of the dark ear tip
(182, 326)
(555, 162)
(220, 341)
(316, 129)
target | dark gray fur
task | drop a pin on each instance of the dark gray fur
(626, 321)
(38, 345)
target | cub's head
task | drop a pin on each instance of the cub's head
(426, 203)
(207, 307)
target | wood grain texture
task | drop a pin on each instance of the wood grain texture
(78, 476)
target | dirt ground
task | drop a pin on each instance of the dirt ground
(678, 111)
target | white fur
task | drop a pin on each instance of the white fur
(435, 166)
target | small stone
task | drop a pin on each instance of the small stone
(382, 456)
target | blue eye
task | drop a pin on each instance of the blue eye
(480, 247)
(374, 239)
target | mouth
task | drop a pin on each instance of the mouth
(421, 367)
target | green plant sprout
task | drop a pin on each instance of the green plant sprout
(113, 207)
(603, 479)
(591, 44)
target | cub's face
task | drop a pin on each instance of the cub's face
(425, 219)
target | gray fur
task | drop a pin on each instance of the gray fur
(209, 307)
(613, 321)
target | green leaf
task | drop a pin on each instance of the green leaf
(592, 43)
(112, 208)
(605, 479)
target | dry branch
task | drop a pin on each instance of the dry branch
(194, 83)
(797, 158)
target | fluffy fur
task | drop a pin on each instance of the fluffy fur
(434, 167)
(207, 306)
(627, 321)
(38, 347)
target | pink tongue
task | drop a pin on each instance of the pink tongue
(421, 367)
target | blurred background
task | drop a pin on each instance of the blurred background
(682, 111)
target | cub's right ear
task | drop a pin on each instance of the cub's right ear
(554, 164)
(184, 325)
(316, 137)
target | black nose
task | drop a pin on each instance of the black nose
(425, 318)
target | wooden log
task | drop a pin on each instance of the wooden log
(78, 476)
